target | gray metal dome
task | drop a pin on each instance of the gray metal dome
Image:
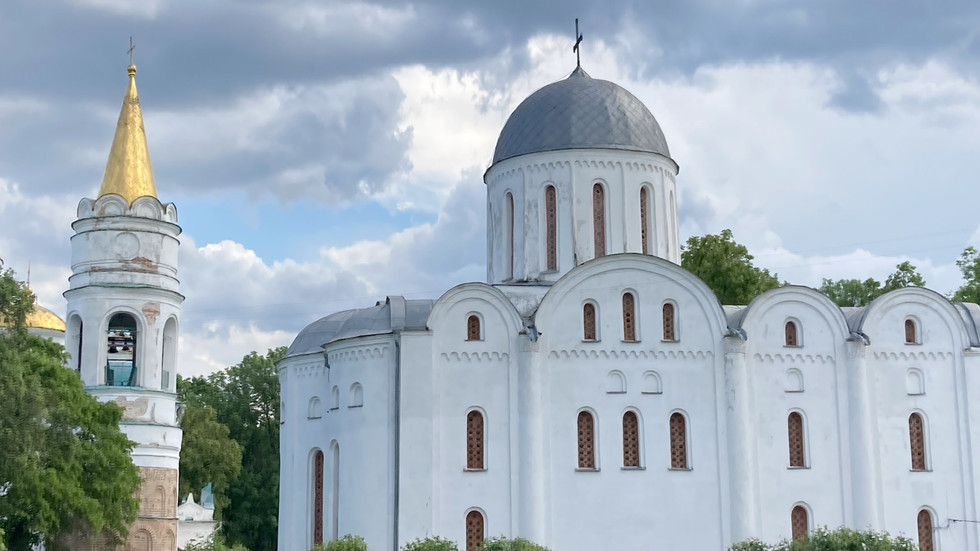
(580, 112)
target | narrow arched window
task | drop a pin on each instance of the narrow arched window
(670, 333)
(474, 530)
(510, 236)
(335, 490)
(797, 452)
(551, 227)
(678, 441)
(800, 520)
(644, 220)
(586, 440)
(474, 440)
(910, 336)
(599, 219)
(473, 328)
(588, 321)
(120, 368)
(629, 317)
(318, 498)
(926, 534)
(791, 334)
(917, 442)
(631, 440)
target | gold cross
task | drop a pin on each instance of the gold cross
(133, 47)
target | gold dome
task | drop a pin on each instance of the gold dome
(42, 318)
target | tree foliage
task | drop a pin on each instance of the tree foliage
(726, 267)
(64, 463)
(841, 539)
(504, 544)
(431, 544)
(854, 292)
(215, 543)
(969, 265)
(346, 543)
(245, 398)
(208, 454)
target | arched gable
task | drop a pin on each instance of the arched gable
(450, 313)
(878, 313)
(703, 300)
(803, 304)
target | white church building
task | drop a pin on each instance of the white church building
(593, 394)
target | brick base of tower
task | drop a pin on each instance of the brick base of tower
(155, 527)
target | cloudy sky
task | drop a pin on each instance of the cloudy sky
(324, 154)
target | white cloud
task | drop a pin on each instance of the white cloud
(144, 9)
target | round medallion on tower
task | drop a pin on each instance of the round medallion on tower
(580, 112)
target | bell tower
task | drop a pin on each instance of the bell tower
(123, 317)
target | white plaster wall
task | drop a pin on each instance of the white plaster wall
(574, 173)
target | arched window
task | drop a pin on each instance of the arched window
(120, 368)
(314, 408)
(588, 321)
(629, 317)
(335, 490)
(473, 328)
(335, 398)
(678, 441)
(917, 442)
(791, 334)
(474, 440)
(551, 227)
(356, 396)
(586, 440)
(926, 535)
(800, 520)
(509, 251)
(599, 219)
(169, 354)
(797, 452)
(631, 440)
(670, 333)
(318, 498)
(474, 530)
(644, 220)
(75, 327)
(910, 333)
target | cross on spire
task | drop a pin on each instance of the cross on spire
(578, 40)
(133, 47)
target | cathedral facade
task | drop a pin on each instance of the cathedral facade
(593, 394)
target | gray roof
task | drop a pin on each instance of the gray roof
(580, 112)
(395, 313)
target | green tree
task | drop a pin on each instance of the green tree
(215, 543)
(504, 544)
(346, 543)
(208, 454)
(853, 292)
(431, 544)
(841, 539)
(64, 464)
(245, 398)
(726, 267)
(969, 265)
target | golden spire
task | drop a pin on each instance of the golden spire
(128, 172)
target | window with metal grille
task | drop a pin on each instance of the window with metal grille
(678, 441)
(797, 453)
(669, 327)
(926, 537)
(629, 317)
(910, 337)
(473, 328)
(586, 440)
(474, 530)
(791, 336)
(917, 441)
(588, 321)
(318, 498)
(801, 522)
(644, 232)
(551, 226)
(474, 440)
(631, 440)
(599, 219)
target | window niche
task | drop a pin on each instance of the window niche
(911, 331)
(473, 328)
(590, 331)
(121, 363)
